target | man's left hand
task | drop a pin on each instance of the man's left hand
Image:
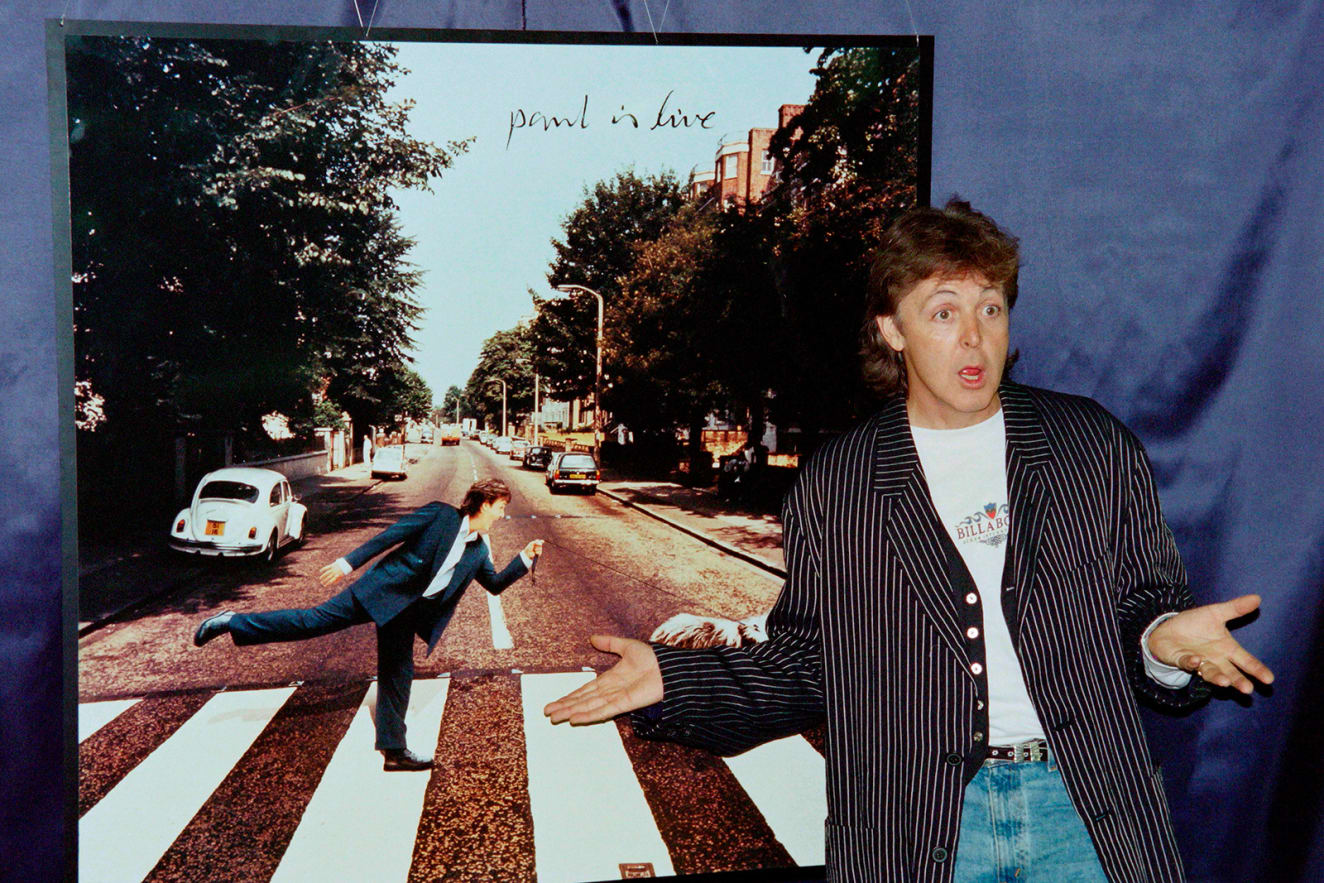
(533, 549)
(1197, 640)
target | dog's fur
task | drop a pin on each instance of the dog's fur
(685, 630)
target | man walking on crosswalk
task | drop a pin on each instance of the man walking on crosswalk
(438, 551)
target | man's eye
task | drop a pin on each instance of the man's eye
(943, 315)
(992, 310)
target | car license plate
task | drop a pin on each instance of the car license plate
(215, 529)
(577, 475)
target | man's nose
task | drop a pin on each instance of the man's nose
(971, 336)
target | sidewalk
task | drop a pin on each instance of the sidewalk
(751, 536)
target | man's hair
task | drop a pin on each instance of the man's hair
(489, 490)
(955, 241)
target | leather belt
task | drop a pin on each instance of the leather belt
(1034, 750)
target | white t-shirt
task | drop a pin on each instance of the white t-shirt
(966, 470)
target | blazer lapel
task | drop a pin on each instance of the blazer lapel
(448, 528)
(465, 567)
(1029, 499)
(913, 529)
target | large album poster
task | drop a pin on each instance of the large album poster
(318, 281)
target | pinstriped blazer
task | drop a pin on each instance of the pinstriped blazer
(868, 631)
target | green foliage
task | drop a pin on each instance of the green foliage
(596, 249)
(408, 394)
(506, 355)
(848, 166)
(327, 414)
(446, 412)
(666, 347)
(234, 240)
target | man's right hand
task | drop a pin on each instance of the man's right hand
(330, 574)
(632, 683)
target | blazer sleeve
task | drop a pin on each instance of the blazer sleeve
(1150, 577)
(494, 582)
(406, 528)
(728, 700)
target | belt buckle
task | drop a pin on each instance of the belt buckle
(1032, 751)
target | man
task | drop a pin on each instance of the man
(412, 591)
(979, 585)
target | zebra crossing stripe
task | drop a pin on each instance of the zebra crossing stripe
(787, 780)
(125, 834)
(329, 842)
(92, 716)
(582, 781)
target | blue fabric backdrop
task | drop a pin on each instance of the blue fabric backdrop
(1162, 164)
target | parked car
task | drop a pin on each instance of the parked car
(501, 444)
(571, 469)
(239, 511)
(537, 457)
(485, 438)
(427, 435)
(517, 448)
(390, 461)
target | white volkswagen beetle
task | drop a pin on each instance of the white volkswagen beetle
(239, 511)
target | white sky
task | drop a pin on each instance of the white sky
(484, 236)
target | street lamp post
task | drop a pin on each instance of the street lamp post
(537, 415)
(597, 376)
(503, 400)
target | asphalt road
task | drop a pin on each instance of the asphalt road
(273, 744)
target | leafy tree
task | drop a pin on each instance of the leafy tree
(506, 355)
(410, 395)
(453, 402)
(848, 164)
(234, 240)
(665, 348)
(595, 250)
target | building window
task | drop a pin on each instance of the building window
(729, 166)
(769, 164)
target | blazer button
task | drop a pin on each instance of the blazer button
(955, 759)
(972, 633)
(939, 855)
(976, 668)
(971, 598)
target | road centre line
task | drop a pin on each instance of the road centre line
(127, 832)
(332, 842)
(501, 638)
(590, 814)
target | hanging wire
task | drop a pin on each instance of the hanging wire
(660, 22)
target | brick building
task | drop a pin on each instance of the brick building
(742, 171)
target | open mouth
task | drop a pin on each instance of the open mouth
(971, 375)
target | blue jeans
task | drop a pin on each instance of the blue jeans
(1019, 826)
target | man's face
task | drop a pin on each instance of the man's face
(953, 334)
(488, 514)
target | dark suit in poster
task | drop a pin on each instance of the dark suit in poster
(390, 595)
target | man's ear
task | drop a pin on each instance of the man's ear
(891, 332)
